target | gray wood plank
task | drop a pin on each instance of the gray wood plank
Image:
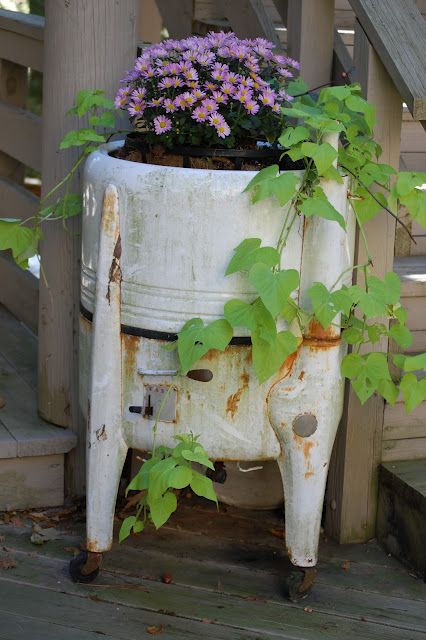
(85, 613)
(397, 32)
(410, 472)
(18, 345)
(19, 291)
(20, 135)
(15, 200)
(8, 445)
(34, 437)
(219, 604)
(32, 586)
(21, 627)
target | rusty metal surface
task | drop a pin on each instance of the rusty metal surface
(292, 418)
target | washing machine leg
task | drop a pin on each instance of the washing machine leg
(106, 446)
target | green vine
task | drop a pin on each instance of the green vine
(22, 237)
(362, 311)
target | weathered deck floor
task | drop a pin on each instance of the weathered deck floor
(227, 572)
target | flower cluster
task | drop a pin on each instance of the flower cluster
(212, 91)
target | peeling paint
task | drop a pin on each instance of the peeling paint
(101, 433)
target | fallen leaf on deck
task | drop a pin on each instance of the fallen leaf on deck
(345, 565)
(154, 630)
(166, 578)
(307, 609)
(278, 533)
(256, 598)
(40, 536)
(7, 563)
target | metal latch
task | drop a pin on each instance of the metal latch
(153, 399)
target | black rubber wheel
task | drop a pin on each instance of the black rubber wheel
(76, 566)
(298, 588)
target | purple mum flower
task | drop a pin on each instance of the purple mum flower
(162, 124)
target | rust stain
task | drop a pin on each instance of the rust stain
(307, 446)
(301, 375)
(309, 474)
(234, 399)
(115, 270)
(131, 346)
(319, 338)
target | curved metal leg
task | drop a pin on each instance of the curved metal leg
(106, 447)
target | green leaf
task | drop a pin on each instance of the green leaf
(87, 99)
(195, 340)
(388, 390)
(292, 136)
(322, 304)
(284, 187)
(22, 241)
(106, 119)
(413, 391)
(269, 355)
(352, 365)
(359, 105)
(250, 252)
(126, 528)
(199, 455)
(337, 93)
(415, 202)
(139, 526)
(180, 477)
(353, 336)
(365, 206)
(368, 374)
(203, 486)
(401, 334)
(412, 363)
(409, 180)
(273, 287)
(141, 479)
(296, 87)
(323, 155)
(158, 481)
(264, 175)
(80, 137)
(251, 316)
(161, 508)
(71, 204)
(318, 205)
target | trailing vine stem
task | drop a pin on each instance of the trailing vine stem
(364, 186)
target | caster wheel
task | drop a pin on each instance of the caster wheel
(300, 583)
(85, 567)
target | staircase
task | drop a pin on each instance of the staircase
(31, 450)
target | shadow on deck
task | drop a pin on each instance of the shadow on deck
(208, 574)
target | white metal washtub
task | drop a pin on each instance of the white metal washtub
(156, 243)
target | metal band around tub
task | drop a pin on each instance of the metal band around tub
(155, 335)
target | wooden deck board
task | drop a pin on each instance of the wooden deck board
(227, 582)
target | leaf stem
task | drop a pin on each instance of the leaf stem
(364, 186)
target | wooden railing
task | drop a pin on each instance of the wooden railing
(21, 47)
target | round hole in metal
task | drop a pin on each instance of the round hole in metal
(305, 424)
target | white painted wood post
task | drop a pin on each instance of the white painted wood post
(87, 45)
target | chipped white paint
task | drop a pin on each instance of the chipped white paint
(178, 229)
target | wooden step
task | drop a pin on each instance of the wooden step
(31, 450)
(401, 518)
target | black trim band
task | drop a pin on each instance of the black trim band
(155, 335)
